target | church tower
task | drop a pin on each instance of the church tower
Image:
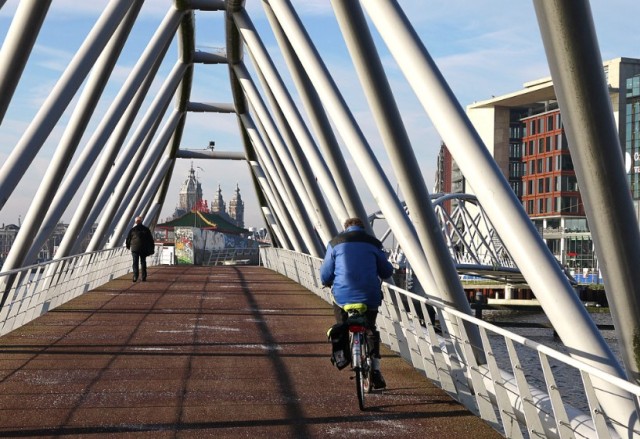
(236, 208)
(190, 192)
(217, 205)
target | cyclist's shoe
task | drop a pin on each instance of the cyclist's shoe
(378, 380)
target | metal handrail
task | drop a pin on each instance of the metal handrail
(507, 396)
(32, 291)
(233, 255)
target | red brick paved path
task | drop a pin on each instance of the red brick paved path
(220, 352)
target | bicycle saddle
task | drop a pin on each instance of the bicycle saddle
(357, 308)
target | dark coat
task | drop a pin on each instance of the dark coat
(140, 240)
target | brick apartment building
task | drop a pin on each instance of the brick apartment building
(523, 131)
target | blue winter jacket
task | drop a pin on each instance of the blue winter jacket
(353, 264)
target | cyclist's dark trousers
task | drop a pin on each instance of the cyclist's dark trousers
(373, 337)
(143, 264)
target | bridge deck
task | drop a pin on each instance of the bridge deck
(205, 352)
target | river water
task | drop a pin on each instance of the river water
(545, 335)
(567, 379)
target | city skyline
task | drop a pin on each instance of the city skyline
(191, 196)
(483, 49)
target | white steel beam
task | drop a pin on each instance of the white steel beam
(283, 154)
(274, 82)
(107, 125)
(321, 125)
(354, 139)
(270, 217)
(281, 195)
(114, 188)
(211, 155)
(17, 46)
(16, 165)
(132, 185)
(396, 140)
(299, 161)
(26, 246)
(560, 303)
(570, 41)
(127, 102)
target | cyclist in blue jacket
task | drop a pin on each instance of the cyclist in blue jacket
(353, 266)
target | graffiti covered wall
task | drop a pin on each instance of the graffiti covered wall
(193, 244)
(184, 237)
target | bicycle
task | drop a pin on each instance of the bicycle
(360, 359)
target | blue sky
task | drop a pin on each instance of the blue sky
(483, 48)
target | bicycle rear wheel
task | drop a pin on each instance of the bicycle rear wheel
(360, 388)
(362, 376)
(367, 368)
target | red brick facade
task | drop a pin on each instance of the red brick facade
(549, 181)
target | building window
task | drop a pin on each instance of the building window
(549, 123)
(540, 167)
(515, 169)
(576, 225)
(566, 164)
(515, 150)
(632, 130)
(516, 131)
(569, 205)
(569, 184)
(633, 86)
(517, 188)
(580, 252)
(564, 204)
(549, 164)
(563, 142)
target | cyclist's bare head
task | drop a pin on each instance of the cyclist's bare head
(353, 222)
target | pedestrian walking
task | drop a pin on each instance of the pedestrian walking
(140, 242)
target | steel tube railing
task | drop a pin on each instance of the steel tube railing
(37, 289)
(519, 398)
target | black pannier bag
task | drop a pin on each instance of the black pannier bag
(338, 335)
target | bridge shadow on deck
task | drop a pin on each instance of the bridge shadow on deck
(205, 352)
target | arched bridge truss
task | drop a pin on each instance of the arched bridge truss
(472, 242)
